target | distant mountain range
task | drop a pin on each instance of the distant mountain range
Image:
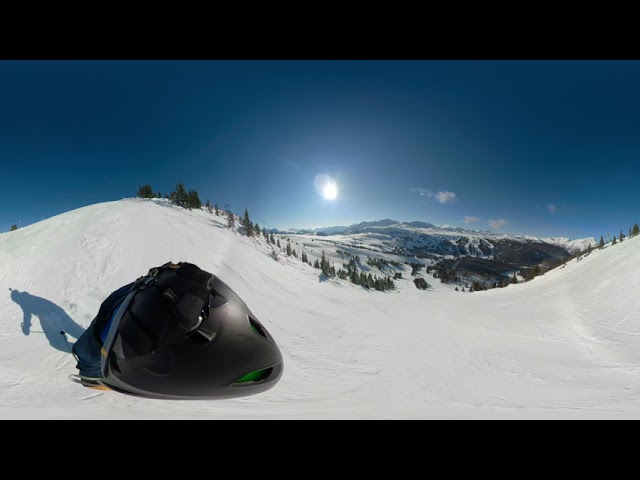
(387, 225)
(360, 227)
(456, 253)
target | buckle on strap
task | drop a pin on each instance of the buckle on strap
(151, 277)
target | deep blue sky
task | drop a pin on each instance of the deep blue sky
(543, 148)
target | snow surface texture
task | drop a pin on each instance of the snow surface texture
(565, 345)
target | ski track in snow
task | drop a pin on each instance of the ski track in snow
(565, 345)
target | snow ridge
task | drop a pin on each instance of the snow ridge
(565, 345)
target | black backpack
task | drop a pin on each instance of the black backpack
(161, 308)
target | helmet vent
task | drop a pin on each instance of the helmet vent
(256, 327)
(256, 376)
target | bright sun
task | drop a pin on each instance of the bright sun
(330, 191)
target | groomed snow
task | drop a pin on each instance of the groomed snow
(565, 345)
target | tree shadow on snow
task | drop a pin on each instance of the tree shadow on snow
(215, 224)
(52, 318)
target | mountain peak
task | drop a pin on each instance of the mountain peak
(375, 223)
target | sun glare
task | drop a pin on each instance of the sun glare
(326, 187)
(330, 191)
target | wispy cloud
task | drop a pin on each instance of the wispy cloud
(469, 220)
(291, 164)
(498, 223)
(445, 197)
(552, 208)
(423, 192)
(440, 196)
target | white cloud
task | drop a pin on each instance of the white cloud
(498, 223)
(469, 220)
(552, 208)
(445, 197)
(442, 197)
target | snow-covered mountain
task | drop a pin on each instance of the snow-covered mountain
(338, 229)
(571, 245)
(564, 345)
(453, 240)
(496, 257)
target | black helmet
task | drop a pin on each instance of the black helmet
(182, 333)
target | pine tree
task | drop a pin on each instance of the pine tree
(636, 230)
(514, 279)
(288, 248)
(230, 219)
(613, 242)
(145, 191)
(14, 227)
(179, 196)
(621, 236)
(601, 244)
(256, 229)
(272, 239)
(193, 201)
(246, 223)
(324, 265)
(278, 243)
(215, 209)
(208, 205)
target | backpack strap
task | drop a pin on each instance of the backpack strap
(107, 309)
(176, 304)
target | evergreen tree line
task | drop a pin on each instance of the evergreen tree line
(633, 231)
(251, 229)
(363, 279)
(145, 191)
(210, 209)
(380, 262)
(180, 196)
(343, 253)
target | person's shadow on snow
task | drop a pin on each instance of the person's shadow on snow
(52, 318)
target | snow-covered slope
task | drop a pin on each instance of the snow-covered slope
(565, 345)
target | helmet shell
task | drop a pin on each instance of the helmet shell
(229, 354)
